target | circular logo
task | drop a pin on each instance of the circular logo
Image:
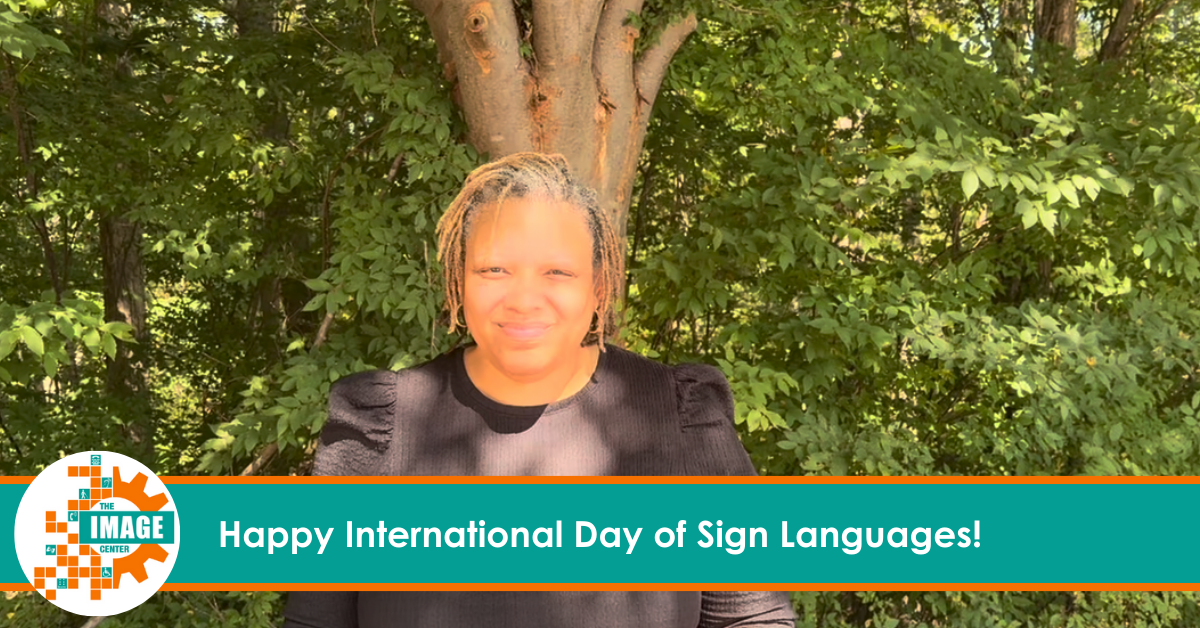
(97, 533)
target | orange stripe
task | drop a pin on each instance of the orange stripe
(675, 586)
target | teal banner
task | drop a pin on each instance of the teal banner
(753, 532)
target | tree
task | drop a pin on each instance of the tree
(915, 240)
(557, 77)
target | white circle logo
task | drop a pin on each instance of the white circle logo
(97, 533)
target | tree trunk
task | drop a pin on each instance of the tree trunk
(125, 276)
(582, 93)
(1014, 21)
(278, 220)
(1055, 22)
(124, 298)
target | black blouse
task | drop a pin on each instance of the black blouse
(635, 417)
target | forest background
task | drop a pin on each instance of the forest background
(919, 237)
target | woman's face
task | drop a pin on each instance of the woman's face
(529, 291)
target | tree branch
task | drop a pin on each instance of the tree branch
(1150, 19)
(652, 67)
(263, 457)
(617, 107)
(1114, 42)
(481, 50)
(565, 91)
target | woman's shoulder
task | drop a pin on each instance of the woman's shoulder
(698, 389)
(705, 410)
(378, 388)
(361, 418)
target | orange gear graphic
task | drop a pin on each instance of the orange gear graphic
(135, 563)
(135, 491)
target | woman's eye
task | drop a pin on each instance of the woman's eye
(493, 270)
(560, 273)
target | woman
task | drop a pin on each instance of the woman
(532, 269)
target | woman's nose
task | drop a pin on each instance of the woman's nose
(524, 293)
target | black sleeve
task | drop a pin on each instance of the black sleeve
(706, 419)
(742, 609)
(321, 609)
(359, 428)
(353, 442)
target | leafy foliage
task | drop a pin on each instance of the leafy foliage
(913, 245)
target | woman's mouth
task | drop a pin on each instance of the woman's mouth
(523, 331)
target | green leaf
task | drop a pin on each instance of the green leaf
(1048, 219)
(970, 183)
(318, 285)
(1161, 193)
(110, 345)
(1068, 191)
(91, 339)
(8, 340)
(1114, 432)
(1028, 212)
(32, 339)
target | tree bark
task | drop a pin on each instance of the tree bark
(1013, 23)
(1055, 22)
(1127, 27)
(583, 92)
(124, 299)
(125, 275)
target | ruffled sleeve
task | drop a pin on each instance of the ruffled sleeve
(353, 442)
(706, 419)
(359, 429)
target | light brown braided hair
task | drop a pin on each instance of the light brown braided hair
(529, 176)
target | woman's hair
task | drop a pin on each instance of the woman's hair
(529, 176)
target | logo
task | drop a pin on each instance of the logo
(97, 533)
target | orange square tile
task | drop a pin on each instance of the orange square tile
(51, 527)
(92, 504)
(39, 572)
(50, 572)
(73, 583)
(62, 561)
(95, 560)
(95, 583)
(50, 594)
(105, 493)
(96, 472)
(72, 472)
(39, 583)
(73, 572)
(51, 515)
(85, 550)
(62, 527)
(72, 504)
(95, 482)
(62, 550)
(107, 583)
(95, 575)
(73, 561)
(73, 539)
(95, 594)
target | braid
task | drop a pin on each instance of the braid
(529, 176)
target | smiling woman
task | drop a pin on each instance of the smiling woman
(532, 270)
